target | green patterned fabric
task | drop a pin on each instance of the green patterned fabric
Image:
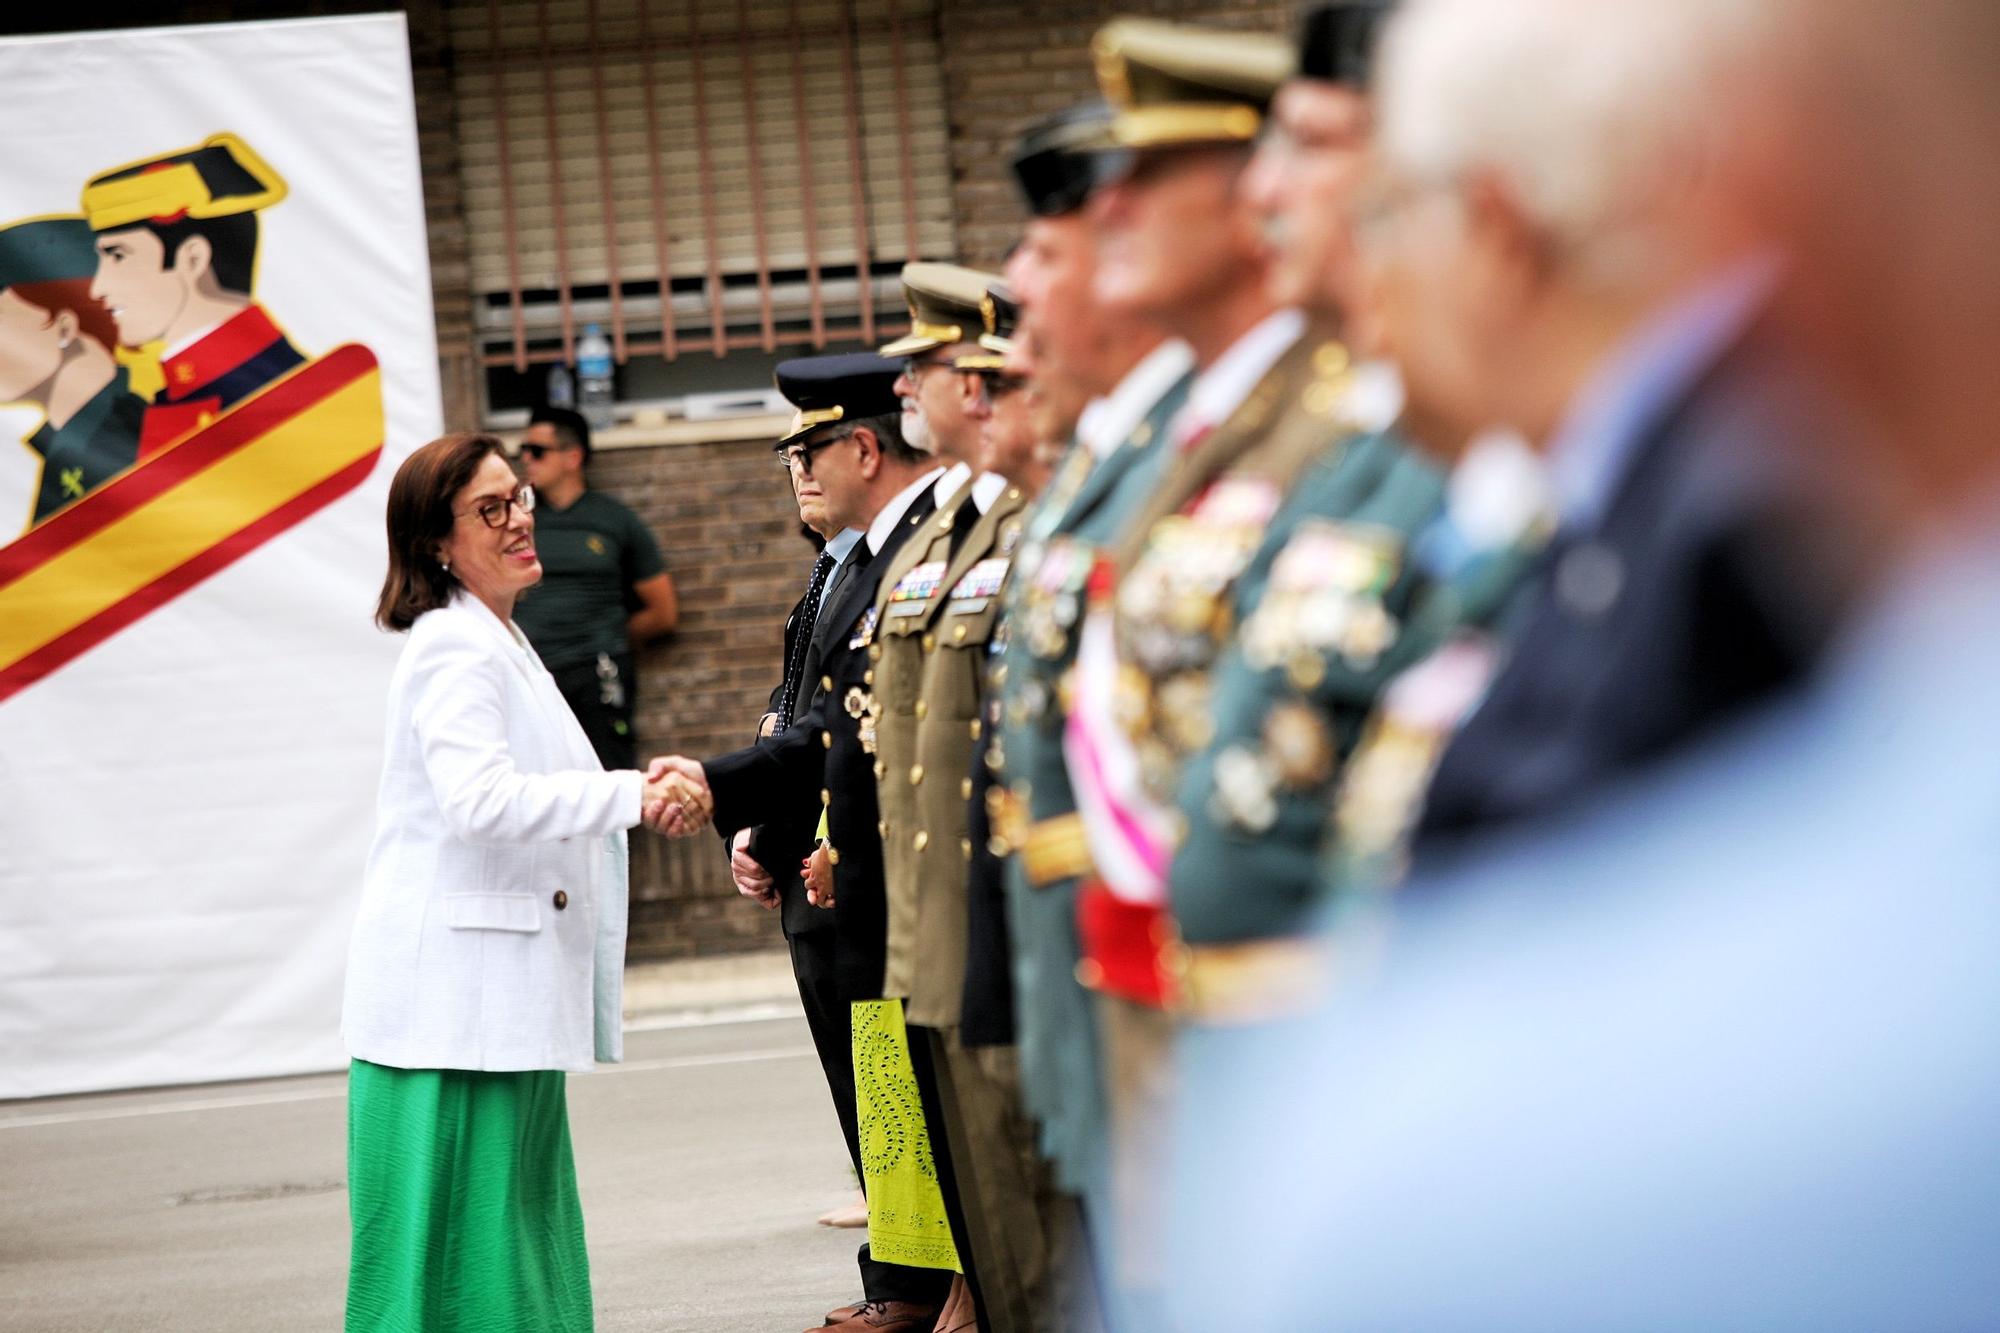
(906, 1217)
(462, 1195)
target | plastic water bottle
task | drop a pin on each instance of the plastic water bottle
(593, 372)
(561, 391)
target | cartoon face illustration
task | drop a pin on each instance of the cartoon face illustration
(31, 345)
(144, 294)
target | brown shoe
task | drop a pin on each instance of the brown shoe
(843, 1314)
(887, 1317)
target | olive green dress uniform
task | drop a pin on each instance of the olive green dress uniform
(937, 636)
(1035, 815)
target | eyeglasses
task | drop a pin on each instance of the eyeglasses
(999, 384)
(800, 456)
(493, 509)
(914, 364)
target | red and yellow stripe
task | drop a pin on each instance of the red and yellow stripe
(149, 535)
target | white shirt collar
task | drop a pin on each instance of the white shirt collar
(948, 485)
(176, 348)
(1107, 422)
(842, 542)
(987, 489)
(1219, 390)
(892, 513)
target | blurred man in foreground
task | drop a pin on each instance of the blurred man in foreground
(1718, 1051)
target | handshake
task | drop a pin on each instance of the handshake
(677, 802)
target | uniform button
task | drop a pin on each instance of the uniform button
(916, 774)
(868, 676)
(958, 634)
(826, 683)
(882, 828)
(930, 642)
(975, 728)
(965, 846)
(826, 739)
(832, 855)
(921, 841)
(561, 900)
(965, 788)
(825, 796)
(881, 770)
(874, 652)
(922, 708)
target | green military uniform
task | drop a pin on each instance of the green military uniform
(1450, 648)
(100, 438)
(1037, 821)
(1318, 611)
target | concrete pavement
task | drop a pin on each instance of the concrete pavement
(702, 1160)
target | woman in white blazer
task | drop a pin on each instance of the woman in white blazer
(489, 948)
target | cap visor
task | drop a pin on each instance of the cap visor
(909, 345)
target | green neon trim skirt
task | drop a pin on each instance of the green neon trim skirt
(462, 1195)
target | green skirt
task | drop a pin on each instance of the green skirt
(462, 1195)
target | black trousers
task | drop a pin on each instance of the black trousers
(600, 694)
(831, 1023)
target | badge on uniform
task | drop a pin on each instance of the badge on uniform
(1325, 597)
(915, 589)
(864, 632)
(980, 585)
(866, 710)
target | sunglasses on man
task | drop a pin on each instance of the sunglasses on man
(540, 451)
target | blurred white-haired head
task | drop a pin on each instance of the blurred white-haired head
(1596, 117)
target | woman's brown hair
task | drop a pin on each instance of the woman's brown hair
(419, 518)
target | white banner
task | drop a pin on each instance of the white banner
(191, 690)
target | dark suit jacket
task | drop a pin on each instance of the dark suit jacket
(785, 837)
(1706, 587)
(822, 752)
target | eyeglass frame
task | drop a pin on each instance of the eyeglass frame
(800, 456)
(523, 498)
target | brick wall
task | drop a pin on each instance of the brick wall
(1007, 64)
(724, 517)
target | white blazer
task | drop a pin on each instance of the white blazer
(491, 933)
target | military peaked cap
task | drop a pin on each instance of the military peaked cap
(1171, 84)
(944, 306)
(1062, 159)
(827, 389)
(1337, 41)
(1000, 314)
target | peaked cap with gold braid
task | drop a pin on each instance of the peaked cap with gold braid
(1172, 85)
(944, 306)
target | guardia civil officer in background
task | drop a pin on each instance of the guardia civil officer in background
(605, 590)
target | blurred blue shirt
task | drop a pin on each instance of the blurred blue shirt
(1723, 1052)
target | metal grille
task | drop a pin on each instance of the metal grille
(696, 176)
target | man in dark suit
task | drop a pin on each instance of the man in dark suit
(848, 440)
(1617, 325)
(764, 861)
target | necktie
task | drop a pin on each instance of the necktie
(856, 561)
(795, 670)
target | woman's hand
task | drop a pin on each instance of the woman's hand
(676, 802)
(817, 871)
